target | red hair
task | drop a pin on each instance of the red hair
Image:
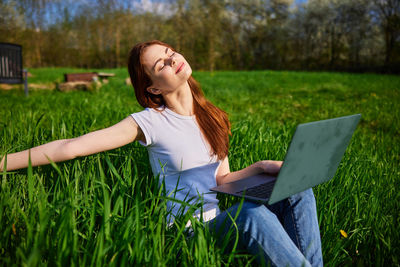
(213, 122)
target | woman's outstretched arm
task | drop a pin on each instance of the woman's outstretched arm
(122, 133)
(224, 175)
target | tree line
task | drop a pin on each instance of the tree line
(343, 35)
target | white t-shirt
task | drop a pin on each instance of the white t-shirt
(179, 153)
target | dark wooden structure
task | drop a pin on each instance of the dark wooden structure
(80, 77)
(11, 68)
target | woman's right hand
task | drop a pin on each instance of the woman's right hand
(120, 134)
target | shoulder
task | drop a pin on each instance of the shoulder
(148, 112)
(143, 115)
(149, 121)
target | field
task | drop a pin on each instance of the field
(107, 209)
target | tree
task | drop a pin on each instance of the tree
(389, 14)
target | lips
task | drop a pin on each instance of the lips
(180, 67)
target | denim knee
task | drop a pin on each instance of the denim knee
(306, 195)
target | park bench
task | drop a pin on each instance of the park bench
(84, 81)
(87, 77)
(11, 70)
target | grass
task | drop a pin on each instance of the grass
(108, 209)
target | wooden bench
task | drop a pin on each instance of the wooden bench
(87, 77)
(11, 70)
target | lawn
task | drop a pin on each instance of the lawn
(108, 209)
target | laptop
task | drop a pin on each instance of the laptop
(313, 157)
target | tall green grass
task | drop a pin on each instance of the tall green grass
(108, 209)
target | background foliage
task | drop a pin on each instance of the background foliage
(351, 35)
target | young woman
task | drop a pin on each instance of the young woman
(187, 139)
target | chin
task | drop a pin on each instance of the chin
(188, 73)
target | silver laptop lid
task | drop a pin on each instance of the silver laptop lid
(314, 154)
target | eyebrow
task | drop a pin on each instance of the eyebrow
(154, 66)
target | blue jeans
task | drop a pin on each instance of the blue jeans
(283, 234)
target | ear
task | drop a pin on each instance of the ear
(153, 90)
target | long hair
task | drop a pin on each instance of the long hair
(213, 122)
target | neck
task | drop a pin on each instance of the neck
(181, 100)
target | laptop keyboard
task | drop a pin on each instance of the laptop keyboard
(260, 191)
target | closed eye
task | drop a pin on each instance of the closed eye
(163, 64)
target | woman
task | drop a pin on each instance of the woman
(187, 139)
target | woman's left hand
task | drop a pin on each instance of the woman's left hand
(270, 166)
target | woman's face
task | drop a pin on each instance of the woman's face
(167, 69)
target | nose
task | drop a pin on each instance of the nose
(172, 61)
